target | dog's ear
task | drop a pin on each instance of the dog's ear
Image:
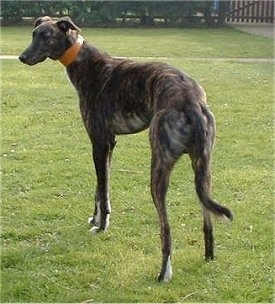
(41, 20)
(66, 24)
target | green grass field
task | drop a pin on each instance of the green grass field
(48, 181)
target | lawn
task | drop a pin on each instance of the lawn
(48, 180)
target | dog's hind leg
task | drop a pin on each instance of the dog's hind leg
(201, 167)
(168, 132)
(200, 155)
(159, 184)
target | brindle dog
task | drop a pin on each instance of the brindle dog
(119, 96)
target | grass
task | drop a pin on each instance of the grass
(48, 181)
(159, 43)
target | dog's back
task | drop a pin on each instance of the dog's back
(129, 93)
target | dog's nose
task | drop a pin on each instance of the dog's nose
(23, 58)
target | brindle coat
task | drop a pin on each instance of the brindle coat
(119, 96)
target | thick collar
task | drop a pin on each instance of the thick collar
(71, 53)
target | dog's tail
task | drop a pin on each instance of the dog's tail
(204, 133)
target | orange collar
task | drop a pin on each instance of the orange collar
(71, 53)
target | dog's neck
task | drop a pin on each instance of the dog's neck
(71, 53)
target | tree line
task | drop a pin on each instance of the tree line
(119, 13)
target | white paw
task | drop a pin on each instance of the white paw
(94, 229)
(90, 220)
(168, 272)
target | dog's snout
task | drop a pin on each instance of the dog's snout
(23, 58)
(27, 59)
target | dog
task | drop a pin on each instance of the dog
(120, 96)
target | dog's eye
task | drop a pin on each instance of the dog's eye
(41, 34)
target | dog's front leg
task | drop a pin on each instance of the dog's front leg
(101, 155)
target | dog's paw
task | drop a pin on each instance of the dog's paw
(166, 273)
(94, 229)
(97, 225)
(91, 220)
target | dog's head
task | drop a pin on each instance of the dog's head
(50, 39)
